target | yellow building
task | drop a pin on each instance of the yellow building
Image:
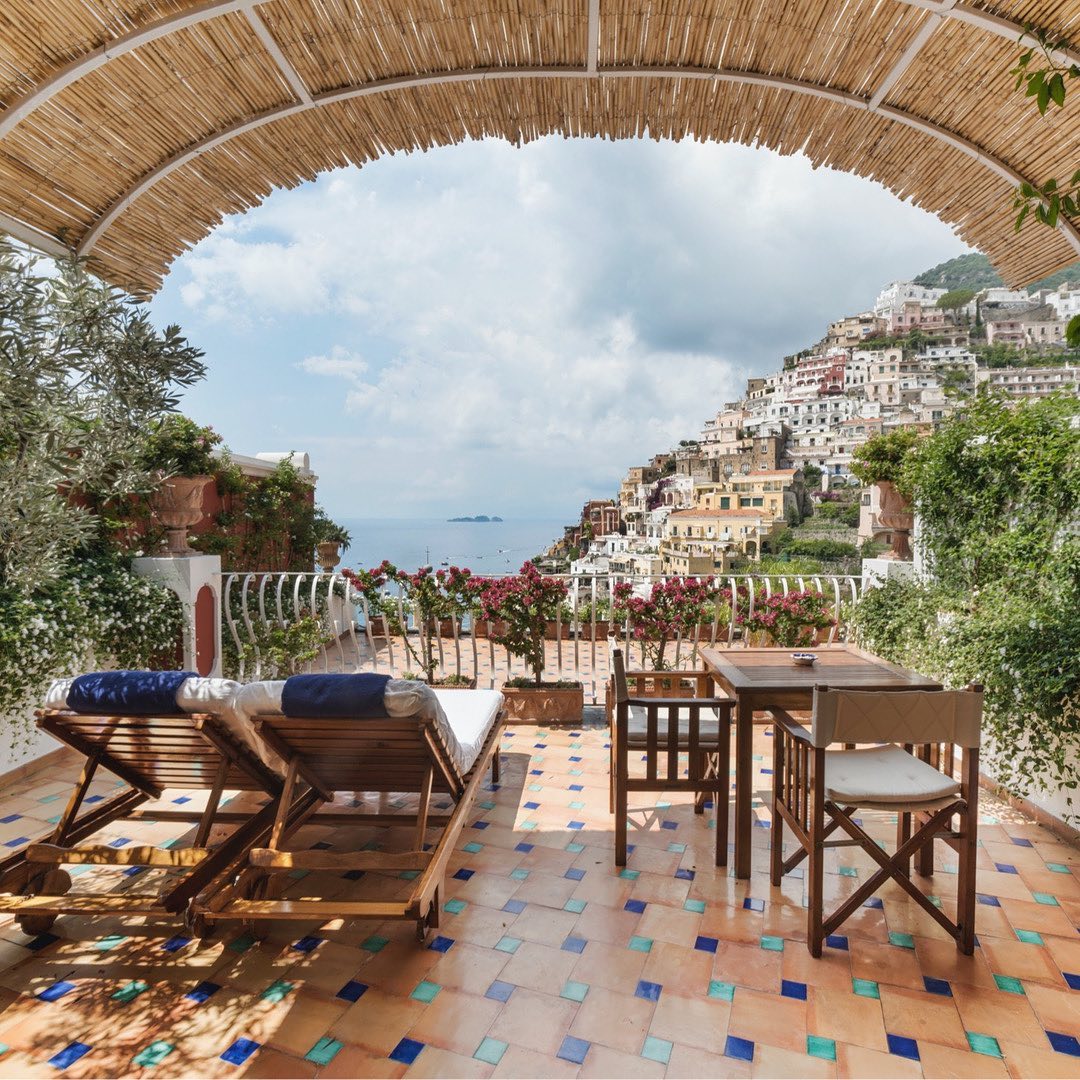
(769, 491)
(713, 536)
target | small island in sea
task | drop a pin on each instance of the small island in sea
(479, 518)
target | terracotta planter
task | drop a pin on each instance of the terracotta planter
(328, 554)
(553, 631)
(585, 630)
(177, 504)
(443, 627)
(378, 627)
(484, 629)
(543, 704)
(895, 514)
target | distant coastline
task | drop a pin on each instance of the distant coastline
(481, 518)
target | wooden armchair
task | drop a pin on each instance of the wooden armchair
(698, 726)
(816, 790)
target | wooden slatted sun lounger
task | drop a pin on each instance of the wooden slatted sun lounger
(414, 755)
(185, 751)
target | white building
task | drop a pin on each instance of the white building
(894, 296)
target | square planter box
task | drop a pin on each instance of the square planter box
(543, 704)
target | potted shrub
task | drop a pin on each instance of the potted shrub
(883, 460)
(369, 586)
(330, 541)
(561, 625)
(525, 603)
(181, 453)
(792, 620)
(603, 623)
(675, 607)
(435, 599)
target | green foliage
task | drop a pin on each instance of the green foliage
(83, 376)
(955, 299)
(820, 549)
(846, 514)
(885, 458)
(274, 651)
(811, 476)
(976, 271)
(327, 531)
(177, 446)
(1072, 332)
(997, 489)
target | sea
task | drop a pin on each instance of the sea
(496, 547)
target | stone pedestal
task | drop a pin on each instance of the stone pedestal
(196, 579)
(877, 571)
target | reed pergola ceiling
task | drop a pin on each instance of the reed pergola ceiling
(130, 128)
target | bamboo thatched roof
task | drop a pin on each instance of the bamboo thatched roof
(129, 128)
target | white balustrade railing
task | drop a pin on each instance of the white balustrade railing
(257, 605)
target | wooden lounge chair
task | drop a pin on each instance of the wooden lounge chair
(179, 751)
(443, 753)
(642, 722)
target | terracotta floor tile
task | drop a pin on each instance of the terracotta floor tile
(674, 925)
(1024, 1060)
(748, 965)
(830, 971)
(885, 964)
(942, 960)
(274, 1064)
(687, 1061)
(619, 1021)
(355, 1061)
(437, 1063)
(519, 1062)
(946, 1061)
(541, 967)
(1022, 960)
(377, 1022)
(994, 1012)
(846, 1017)
(604, 1063)
(768, 1018)
(679, 970)
(701, 1022)
(468, 967)
(547, 889)
(920, 1015)
(1057, 1010)
(600, 923)
(1042, 918)
(770, 1061)
(873, 1064)
(610, 966)
(455, 1021)
(534, 1021)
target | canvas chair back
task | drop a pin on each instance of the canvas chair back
(898, 716)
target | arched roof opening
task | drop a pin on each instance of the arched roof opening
(130, 128)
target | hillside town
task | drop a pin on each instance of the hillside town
(769, 476)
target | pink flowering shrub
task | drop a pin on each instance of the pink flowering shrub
(674, 607)
(370, 584)
(791, 620)
(525, 603)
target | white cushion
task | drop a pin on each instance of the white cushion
(883, 776)
(638, 724)
(468, 715)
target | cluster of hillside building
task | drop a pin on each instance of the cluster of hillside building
(716, 500)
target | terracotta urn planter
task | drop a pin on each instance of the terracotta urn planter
(328, 554)
(895, 514)
(482, 628)
(544, 704)
(553, 630)
(177, 504)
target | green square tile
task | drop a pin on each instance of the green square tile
(983, 1044)
(1029, 937)
(473, 847)
(277, 991)
(425, 991)
(573, 772)
(455, 906)
(109, 942)
(640, 944)
(324, 1051)
(375, 943)
(771, 943)
(574, 991)
(1057, 867)
(130, 991)
(4, 1048)
(536, 787)
(576, 805)
(575, 746)
(508, 944)
(537, 759)
(530, 825)
(721, 991)
(630, 875)
(676, 849)
(519, 875)
(663, 806)
(49, 798)
(848, 871)
(409, 875)
(298, 875)
(487, 805)
(1009, 984)
(1046, 898)
(901, 941)
(865, 988)
(935, 900)
(819, 1047)
(696, 906)
(574, 847)
(244, 942)
(153, 1054)
(656, 1049)
(490, 1050)
(575, 905)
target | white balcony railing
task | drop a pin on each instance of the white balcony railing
(258, 610)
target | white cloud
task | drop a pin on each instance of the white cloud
(521, 325)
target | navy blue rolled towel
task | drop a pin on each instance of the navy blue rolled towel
(333, 696)
(135, 693)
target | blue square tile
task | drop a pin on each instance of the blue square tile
(463, 874)
(499, 990)
(536, 772)
(684, 875)
(636, 906)
(42, 941)
(353, 875)
(902, 1046)
(706, 944)
(441, 944)
(575, 759)
(573, 1050)
(93, 798)
(540, 746)
(183, 799)
(575, 825)
(574, 874)
(240, 1051)
(56, 991)
(1020, 842)
(1005, 868)
(9, 819)
(574, 944)
(176, 943)
(18, 842)
(989, 901)
(796, 990)
(514, 907)
(648, 991)
(1072, 980)
(69, 1055)
(837, 941)
(352, 991)
(937, 986)
(576, 787)
(406, 1051)
(1064, 1044)
(475, 825)
(753, 904)
(203, 992)
(532, 806)
(874, 902)
(739, 1049)
(523, 847)
(307, 944)
(669, 824)
(119, 842)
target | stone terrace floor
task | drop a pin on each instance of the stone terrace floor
(549, 962)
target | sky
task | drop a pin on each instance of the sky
(492, 329)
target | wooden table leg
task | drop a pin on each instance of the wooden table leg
(744, 785)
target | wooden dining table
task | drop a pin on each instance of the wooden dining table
(760, 679)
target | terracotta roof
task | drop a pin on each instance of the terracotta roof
(130, 128)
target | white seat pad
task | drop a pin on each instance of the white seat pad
(883, 776)
(469, 715)
(638, 724)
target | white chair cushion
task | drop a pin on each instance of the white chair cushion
(883, 776)
(638, 724)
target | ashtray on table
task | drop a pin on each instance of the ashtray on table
(803, 659)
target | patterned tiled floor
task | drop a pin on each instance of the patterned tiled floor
(550, 963)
